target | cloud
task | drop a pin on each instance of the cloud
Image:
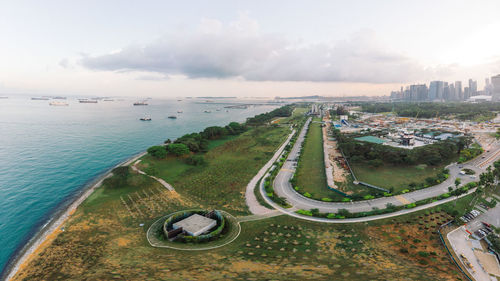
(240, 50)
(64, 63)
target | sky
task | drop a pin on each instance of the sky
(243, 48)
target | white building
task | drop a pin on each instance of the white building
(480, 98)
(195, 225)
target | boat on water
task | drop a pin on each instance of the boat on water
(179, 111)
(108, 100)
(2, 98)
(145, 118)
(172, 117)
(59, 98)
(58, 103)
(217, 109)
(207, 111)
(140, 103)
(87, 101)
(42, 98)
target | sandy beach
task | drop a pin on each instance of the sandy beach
(50, 231)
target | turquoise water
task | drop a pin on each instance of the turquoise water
(49, 153)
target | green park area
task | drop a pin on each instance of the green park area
(396, 178)
(105, 239)
(310, 178)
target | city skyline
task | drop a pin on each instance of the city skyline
(450, 91)
(236, 48)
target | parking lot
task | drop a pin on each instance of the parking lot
(465, 247)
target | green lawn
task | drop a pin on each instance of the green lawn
(310, 174)
(231, 163)
(391, 176)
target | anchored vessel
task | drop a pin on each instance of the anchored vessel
(140, 103)
(145, 118)
(88, 101)
(58, 103)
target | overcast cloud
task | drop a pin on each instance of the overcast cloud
(240, 50)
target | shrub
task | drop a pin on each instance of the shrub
(411, 205)
(304, 212)
(196, 160)
(330, 216)
(178, 149)
(326, 199)
(307, 194)
(157, 151)
(423, 254)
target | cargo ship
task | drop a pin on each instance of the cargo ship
(87, 101)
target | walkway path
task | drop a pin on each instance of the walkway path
(161, 181)
(269, 214)
(253, 205)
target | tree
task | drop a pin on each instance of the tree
(178, 149)
(196, 160)
(158, 151)
(457, 182)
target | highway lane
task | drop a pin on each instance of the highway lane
(284, 189)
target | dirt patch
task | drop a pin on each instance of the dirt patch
(339, 172)
(122, 242)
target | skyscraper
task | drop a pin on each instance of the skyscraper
(495, 82)
(446, 91)
(453, 92)
(459, 95)
(436, 89)
(472, 87)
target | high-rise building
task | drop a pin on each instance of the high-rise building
(418, 92)
(458, 90)
(436, 89)
(467, 93)
(495, 83)
(453, 93)
(472, 87)
(446, 91)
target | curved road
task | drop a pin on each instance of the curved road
(253, 205)
(284, 189)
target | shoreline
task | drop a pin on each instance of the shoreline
(25, 253)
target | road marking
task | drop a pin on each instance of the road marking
(287, 170)
(402, 199)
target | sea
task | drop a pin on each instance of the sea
(49, 154)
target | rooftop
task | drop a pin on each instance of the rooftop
(371, 139)
(195, 224)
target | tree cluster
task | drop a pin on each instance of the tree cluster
(462, 111)
(284, 111)
(198, 142)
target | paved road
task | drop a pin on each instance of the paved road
(253, 205)
(283, 187)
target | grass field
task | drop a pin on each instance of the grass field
(311, 177)
(230, 165)
(103, 241)
(391, 176)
